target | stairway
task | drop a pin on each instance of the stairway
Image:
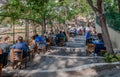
(60, 61)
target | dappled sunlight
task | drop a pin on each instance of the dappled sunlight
(59, 38)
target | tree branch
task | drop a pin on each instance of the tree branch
(99, 5)
(92, 5)
(119, 5)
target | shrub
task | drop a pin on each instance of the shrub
(112, 57)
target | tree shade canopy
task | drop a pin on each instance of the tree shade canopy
(58, 10)
(46, 12)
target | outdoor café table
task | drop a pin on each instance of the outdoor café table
(98, 46)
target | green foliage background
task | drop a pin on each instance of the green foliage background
(112, 14)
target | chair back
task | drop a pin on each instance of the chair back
(61, 39)
(1, 56)
(100, 36)
(1, 51)
(1, 65)
(90, 47)
(17, 54)
(50, 40)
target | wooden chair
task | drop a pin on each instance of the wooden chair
(33, 51)
(51, 41)
(17, 55)
(102, 52)
(61, 41)
(1, 51)
(48, 43)
(1, 65)
(90, 49)
(42, 49)
(72, 34)
(100, 36)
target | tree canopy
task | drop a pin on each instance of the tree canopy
(57, 10)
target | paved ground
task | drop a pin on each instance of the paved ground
(67, 61)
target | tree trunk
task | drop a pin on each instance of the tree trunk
(119, 5)
(44, 25)
(26, 31)
(13, 31)
(34, 28)
(105, 34)
(99, 10)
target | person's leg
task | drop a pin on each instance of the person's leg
(56, 41)
(43, 48)
(5, 59)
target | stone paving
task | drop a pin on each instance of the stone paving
(60, 61)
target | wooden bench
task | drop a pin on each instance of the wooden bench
(17, 55)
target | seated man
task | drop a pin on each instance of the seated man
(21, 45)
(75, 32)
(58, 36)
(41, 42)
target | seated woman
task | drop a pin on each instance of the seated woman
(5, 49)
(21, 45)
(32, 44)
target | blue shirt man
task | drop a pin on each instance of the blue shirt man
(60, 35)
(40, 40)
(76, 31)
(21, 46)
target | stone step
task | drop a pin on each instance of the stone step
(77, 39)
(80, 37)
(67, 51)
(75, 45)
(89, 70)
(67, 48)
